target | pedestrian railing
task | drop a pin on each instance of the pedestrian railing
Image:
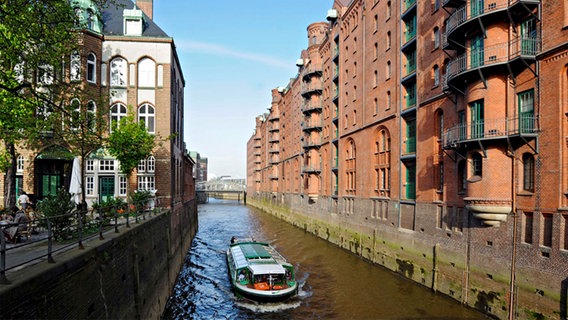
(46, 236)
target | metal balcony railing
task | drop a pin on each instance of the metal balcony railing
(527, 47)
(491, 129)
(467, 12)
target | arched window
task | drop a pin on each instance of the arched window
(117, 112)
(436, 37)
(350, 161)
(462, 178)
(528, 172)
(146, 73)
(382, 162)
(75, 111)
(146, 115)
(118, 72)
(436, 75)
(92, 68)
(477, 164)
(91, 114)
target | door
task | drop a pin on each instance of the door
(411, 136)
(526, 111)
(477, 122)
(528, 37)
(476, 7)
(462, 126)
(50, 183)
(476, 51)
(410, 181)
(106, 188)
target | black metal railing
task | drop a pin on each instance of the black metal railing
(41, 237)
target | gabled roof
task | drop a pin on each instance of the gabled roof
(114, 22)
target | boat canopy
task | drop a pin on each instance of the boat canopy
(239, 257)
(266, 269)
(255, 251)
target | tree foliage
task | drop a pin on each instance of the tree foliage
(36, 38)
(130, 142)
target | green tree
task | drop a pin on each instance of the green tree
(35, 35)
(129, 142)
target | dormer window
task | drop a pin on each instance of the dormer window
(133, 22)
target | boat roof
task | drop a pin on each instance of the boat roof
(258, 256)
(267, 269)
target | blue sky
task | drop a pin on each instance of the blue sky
(233, 53)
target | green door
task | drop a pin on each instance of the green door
(106, 188)
(50, 183)
(410, 181)
(462, 125)
(411, 136)
(476, 7)
(528, 37)
(476, 51)
(477, 123)
(526, 111)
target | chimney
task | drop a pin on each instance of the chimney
(147, 6)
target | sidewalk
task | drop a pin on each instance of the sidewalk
(27, 253)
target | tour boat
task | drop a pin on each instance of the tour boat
(258, 272)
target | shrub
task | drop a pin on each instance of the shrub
(59, 210)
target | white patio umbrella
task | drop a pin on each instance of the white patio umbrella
(75, 185)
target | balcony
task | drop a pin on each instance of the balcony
(467, 17)
(275, 127)
(312, 142)
(311, 125)
(453, 3)
(274, 138)
(490, 211)
(274, 116)
(313, 70)
(505, 128)
(311, 106)
(274, 149)
(309, 88)
(311, 169)
(408, 6)
(497, 58)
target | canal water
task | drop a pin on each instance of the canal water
(334, 284)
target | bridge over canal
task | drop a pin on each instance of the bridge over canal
(221, 188)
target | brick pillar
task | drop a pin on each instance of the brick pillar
(147, 6)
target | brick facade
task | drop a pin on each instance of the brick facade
(443, 129)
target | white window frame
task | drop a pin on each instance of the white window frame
(107, 165)
(90, 166)
(92, 68)
(89, 185)
(147, 114)
(75, 67)
(122, 185)
(20, 164)
(117, 112)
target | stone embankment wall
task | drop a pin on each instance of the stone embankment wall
(128, 275)
(441, 248)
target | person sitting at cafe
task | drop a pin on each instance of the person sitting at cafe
(19, 223)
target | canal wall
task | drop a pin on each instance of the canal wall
(440, 247)
(128, 275)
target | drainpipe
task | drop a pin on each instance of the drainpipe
(511, 154)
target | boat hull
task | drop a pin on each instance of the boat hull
(264, 295)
